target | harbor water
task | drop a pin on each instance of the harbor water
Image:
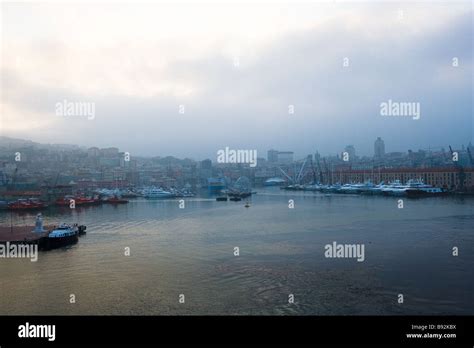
(192, 251)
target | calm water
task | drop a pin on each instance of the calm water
(190, 251)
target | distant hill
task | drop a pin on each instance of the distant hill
(8, 142)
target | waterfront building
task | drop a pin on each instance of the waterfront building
(272, 156)
(446, 177)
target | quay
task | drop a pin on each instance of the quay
(27, 235)
(22, 234)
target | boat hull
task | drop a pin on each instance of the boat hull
(421, 193)
(59, 242)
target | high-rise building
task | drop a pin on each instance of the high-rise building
(379, 148)
(350, 149)
(272, 156)
(280, 157)
(285, 157)
(110, 152)
(93, 152)
(206, 164)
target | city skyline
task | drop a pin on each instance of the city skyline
(261, 154)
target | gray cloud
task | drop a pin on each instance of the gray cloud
(247, 107)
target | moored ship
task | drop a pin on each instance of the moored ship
(61, 236)
(115, 200)
(215, 185)
(78, 201)
(276, 181)
(413, 188)
(26, 204)
(157, 193)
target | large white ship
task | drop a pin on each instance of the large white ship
(157, 193)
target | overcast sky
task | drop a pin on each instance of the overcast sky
(139, 62)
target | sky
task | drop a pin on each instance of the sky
(238, 69)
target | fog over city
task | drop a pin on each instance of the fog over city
(235, 70)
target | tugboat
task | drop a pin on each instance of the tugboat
(78, 201)
(81, 200)
(27, 204)
(61, 236)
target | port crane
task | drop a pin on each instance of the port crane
(297, 177)
(471, 162)
(13, 179)
(320, 172)
(285, 174)
(461, 169)
(314, 171)
(329, 178)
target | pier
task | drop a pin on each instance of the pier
(26, 235)
(22, 234)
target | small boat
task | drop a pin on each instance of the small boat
(130, 194)
(274, 182)
(221, 199)
(116, 200)
(295, 187)
(356, 188)
(82, 229)
(247, 205)
(87, 200)
(416, 188)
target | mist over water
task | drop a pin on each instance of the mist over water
(190, 251)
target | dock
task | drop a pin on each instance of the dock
(22, 234)
(25, 235)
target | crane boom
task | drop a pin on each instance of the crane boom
(298, 178)
(470, 156)
(284, 173)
